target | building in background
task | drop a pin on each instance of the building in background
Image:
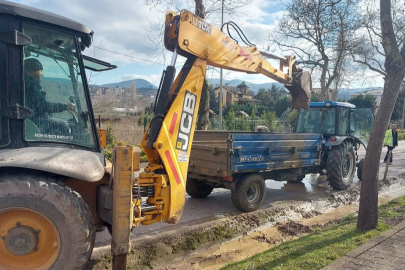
(375, 92)
(240, 95)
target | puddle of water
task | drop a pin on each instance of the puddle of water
(312, 183)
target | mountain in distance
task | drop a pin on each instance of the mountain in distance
(344, 93)
(140, 83)
(145, 86)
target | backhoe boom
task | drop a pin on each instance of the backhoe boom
(194, 36)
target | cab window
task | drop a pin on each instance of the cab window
(54, 89)
(344, 121)
(316, 120)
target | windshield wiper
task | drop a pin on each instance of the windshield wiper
(61, 68)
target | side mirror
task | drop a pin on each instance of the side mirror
(86, 40)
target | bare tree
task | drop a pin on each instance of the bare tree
(320, 34)
(213, 8)
(368, 48)
(394, 74)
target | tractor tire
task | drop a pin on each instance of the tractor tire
(51, 223)
(249, 193)
(360, 166)
(198, 189)
(341, 166)
(297, 180)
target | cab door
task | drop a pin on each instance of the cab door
(361, 124)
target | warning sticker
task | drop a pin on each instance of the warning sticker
(183, 156)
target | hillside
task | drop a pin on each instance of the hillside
(140, 83)
(144, 87)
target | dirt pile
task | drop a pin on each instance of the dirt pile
(293, 228)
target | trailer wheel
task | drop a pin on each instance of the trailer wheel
(44, 224)
(198, 189)
(249, 193)
(360, 166)
(341, 166)
(298, 179)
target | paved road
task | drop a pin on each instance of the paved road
(219, 204)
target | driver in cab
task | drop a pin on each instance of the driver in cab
(36, 101)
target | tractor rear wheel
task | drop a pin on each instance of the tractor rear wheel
(198, 189)
(44, 224)
(341, 166)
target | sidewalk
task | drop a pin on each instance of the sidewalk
(384, 252)
(388, 250)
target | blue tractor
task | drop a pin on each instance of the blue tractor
(344, 129)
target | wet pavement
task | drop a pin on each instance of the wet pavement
(218, 204)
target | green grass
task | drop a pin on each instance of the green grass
(323, 246)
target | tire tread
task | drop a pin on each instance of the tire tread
(65, 200)
(238, 196)
(334, 164)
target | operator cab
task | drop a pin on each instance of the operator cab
(336, 119)
(46, 84)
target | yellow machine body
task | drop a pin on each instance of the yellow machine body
(172, 148)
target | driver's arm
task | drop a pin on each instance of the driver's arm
(59, 107)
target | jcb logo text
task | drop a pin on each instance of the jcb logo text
(203, 25)
(186, 121)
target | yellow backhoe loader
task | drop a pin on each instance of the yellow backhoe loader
(56, 189)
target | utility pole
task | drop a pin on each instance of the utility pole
(220, 77)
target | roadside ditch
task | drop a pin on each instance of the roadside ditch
(213, 244)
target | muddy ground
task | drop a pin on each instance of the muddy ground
(266, 228)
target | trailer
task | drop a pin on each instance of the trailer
(326, 139)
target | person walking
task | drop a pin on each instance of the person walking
(391, 141)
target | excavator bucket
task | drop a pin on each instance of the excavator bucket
(300, 90)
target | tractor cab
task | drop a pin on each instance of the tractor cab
(336, 119)
(45, 96)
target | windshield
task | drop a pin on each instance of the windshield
(316, 120)
(361, 124)
(54, 89)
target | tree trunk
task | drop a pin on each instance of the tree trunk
(203, 120)
(204, 111)
(394, 64)
(324, 89)
(199, 9)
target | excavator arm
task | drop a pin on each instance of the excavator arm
(167, 141)
(191, 35)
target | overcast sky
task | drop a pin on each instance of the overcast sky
(125, 27)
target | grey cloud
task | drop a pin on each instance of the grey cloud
(118, 25)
